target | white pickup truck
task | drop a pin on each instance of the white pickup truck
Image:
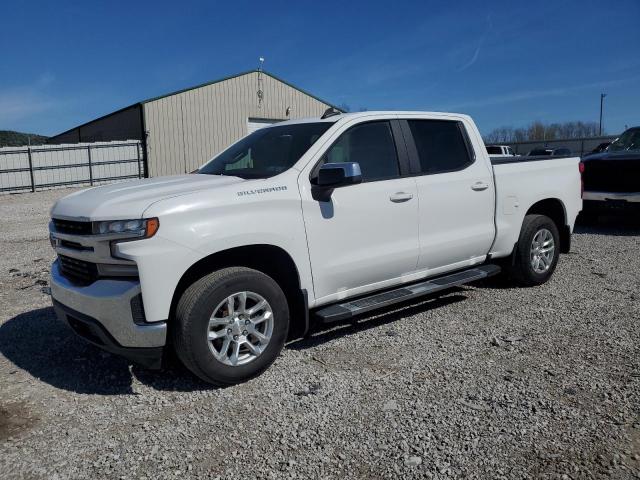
(319, 219)
(500, 151)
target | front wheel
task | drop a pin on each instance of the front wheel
(536, 253)
(231, 325)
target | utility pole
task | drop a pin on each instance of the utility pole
(602, 95)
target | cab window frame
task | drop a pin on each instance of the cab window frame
(397, 137)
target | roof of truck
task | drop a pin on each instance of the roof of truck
(352, 115)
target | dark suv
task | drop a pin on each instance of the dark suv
(550, 152)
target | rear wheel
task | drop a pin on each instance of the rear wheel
(231, 325)
(536, 254)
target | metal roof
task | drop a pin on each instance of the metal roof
(148, 100)
(235, 76)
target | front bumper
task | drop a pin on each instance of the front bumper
(633, 197)
(103, 314)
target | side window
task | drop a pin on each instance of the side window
(441, 145)
(372, 146)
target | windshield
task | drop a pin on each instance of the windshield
(628, 141)
(266, 152)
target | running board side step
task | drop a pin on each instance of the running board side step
(345, 310)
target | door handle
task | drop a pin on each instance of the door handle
(400, 197)
(479, 186)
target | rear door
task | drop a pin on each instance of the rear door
(456, 195)
(366, 236)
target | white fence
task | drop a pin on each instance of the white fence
(50, 166)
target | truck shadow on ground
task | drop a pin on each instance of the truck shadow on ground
(616, 223)
(37, 342)
(323, 333)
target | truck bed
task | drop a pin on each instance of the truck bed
(520, 182)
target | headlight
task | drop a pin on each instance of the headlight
(136, 228)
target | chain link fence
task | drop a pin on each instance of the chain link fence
(578, 146)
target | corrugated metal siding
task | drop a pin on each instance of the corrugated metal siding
(188, 128)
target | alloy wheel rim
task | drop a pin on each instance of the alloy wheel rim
(542, 250)
(240, 328)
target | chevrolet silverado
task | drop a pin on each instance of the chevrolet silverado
(319, 219)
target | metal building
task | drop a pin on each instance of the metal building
(181, 130)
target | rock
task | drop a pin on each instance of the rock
(310, 390)
(473, 406)
(390, 405)
(495, 341)
(413, 461)
(512, 339)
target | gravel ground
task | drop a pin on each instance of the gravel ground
(483, 382)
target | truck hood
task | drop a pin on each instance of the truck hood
(131, 199)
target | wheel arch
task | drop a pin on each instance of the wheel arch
(555, 209)
(268, 259)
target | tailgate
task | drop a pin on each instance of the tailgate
(612, 175)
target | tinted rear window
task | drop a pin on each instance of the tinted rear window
(441, 145)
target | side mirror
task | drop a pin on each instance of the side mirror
(335, 175)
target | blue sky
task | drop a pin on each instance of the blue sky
(503, 62)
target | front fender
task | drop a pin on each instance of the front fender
(196, 226)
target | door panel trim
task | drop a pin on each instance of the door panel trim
(401, 148)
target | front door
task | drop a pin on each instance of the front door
(366, 236)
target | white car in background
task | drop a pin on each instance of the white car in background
(500, 151)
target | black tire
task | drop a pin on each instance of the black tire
(520, 269)
(192, 324)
